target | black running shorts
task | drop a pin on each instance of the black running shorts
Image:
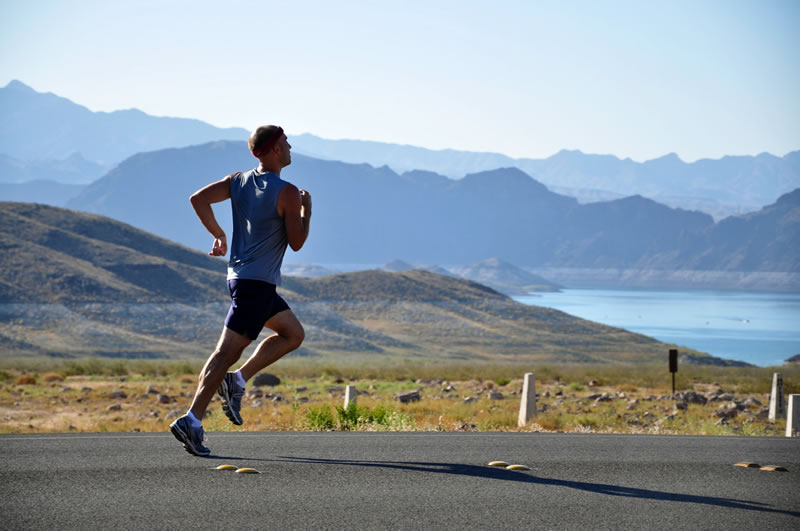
(253, 303)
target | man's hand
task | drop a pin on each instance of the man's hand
(305, 200)
(220, 246)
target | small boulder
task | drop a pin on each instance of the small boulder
(174, 414)
(410, 396)
(495, 395)
(750, 401)
(152, 390)
(266, 379)
(164, 399)
(114, 407)
(470, 399)
(118, 394)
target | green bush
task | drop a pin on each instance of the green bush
(503, 381)
(320, 418)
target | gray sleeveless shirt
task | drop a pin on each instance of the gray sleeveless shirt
(259, 234)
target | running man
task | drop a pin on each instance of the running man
(268, 214)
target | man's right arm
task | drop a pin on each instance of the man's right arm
(295, 207)
(201, 202)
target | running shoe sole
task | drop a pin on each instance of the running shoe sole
(183, 437)
(224, 392)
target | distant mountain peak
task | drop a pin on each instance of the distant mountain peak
(18, 86)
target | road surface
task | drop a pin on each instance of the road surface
(337, 480)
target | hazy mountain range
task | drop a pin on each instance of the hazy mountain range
(44, 137)
(37, 126)
(373, 215)
(78, 284)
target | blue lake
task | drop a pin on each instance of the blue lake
(759, 328)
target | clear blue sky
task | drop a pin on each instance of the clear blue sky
(635, 79)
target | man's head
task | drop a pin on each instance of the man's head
(268, 143)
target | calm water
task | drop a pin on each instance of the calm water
(759, 328)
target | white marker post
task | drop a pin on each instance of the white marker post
(793, 416)
(527, 406)
(776, 407)
(350, 394)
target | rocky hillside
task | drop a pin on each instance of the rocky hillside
(76, 284)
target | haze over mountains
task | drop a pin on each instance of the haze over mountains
(728, 185)
(95, 141)
(373, 215)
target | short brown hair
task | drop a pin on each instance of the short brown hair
(264, 138)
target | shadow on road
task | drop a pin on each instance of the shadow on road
(488, 472)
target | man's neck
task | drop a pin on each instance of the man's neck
(264, 169)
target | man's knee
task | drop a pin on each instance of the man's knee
(295, 336)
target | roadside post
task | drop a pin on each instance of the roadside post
(350, 394)
(527, 406)
(673, 366)
(776, 408)
(793, 416)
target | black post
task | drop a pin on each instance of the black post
(673, 366)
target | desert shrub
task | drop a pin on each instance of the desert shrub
(51, 377)
(4, 376)
(503, 381)
(575, 387)
(320, 418)
(26, 379)
(627, 388)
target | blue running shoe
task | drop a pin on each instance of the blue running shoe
(231, 393)
(191, 437)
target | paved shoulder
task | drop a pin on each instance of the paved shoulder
(399, 481)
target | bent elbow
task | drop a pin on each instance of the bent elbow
(296, 246)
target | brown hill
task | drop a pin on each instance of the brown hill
(75, 284)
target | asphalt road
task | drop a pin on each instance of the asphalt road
(398, 481)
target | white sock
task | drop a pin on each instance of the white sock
(239, 378)
(195, 422)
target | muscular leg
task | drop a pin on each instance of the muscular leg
(229, 349)
(289, 334)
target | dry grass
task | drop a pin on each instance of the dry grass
(80, 401)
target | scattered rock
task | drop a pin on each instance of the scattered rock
(301, 389)
(86, 389)
(336, 389)
(118, 394)
(410, 396)
(255, 392)
(302, 399)
(277, 398)
(154, 414)
(152, 390)
(593, 383)
(173, 414)
(495, 395)
(470, 399)
(593, 396)
(763, 412)
(605, 397)
(726, 412)
(164, 399)
(71, 428)
(750, 401)
(690, 397)
(681, 405)
(258, 403)
(66, 389)
(266, 378)
(114, 407)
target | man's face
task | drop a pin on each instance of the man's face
(285, 148)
